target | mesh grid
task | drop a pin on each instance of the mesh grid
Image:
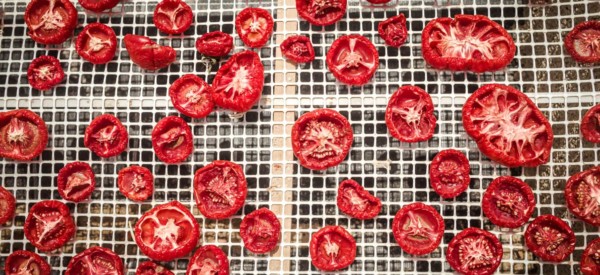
(304, 200)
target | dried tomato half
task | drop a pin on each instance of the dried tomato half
(254, 26)
(173, 16)
(393, 30)
(298, 48)
(353, 59)
(167, 232)
(106, 136)
(76, 181)
(508, 202)
(208, 259)
(95, 260)
(321, 139)
(467, 43)
(98, 5)
(260, 230)
(45, 72)
(582, 193)
(507, 126)
(7, 205)
(583, 42)
(357, 202)
(136, 183)
(418, 228)
(550, 238)
(23, 135)
(220, 189)
(192, 96)
(409, 115)
(172, 140)
(49, 225)
(474, 252)
(148, 54)
(239, 82)
(321, 12)
(152, 268)
(590, 125)
(50, 21)
(590, 260)
(332, 248)
(97, 43)
(449, 173)
(215, 44)
(23, 262)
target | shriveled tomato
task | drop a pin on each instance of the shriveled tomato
(449, 173)
(474, 252)
(22, 262)
(166, 232)
(332, 248)
(45, 72)
(260, 231)
(393, 30)
(239, 82)
(298, 48)
(148, 54)
(97, 43)
(136, 183)
(23, 135)
(215, 44)
(50, 21)
(152, 268)
(409, 115)
(220, 189)
(357, 202)
(7, 205)
(192, 96)
(254, 26)
(353, 59)
(583, 42)
(418, 228)
(98, 5)
(321, 139)
(106, 136)
(582, 194)
(590, 125)
(550, 238)
(173, 16)
(95, 260)
(208, 259)
(590, 260)
(49, 225)
(172, 140)
(507, 126)
(467, 43)
(76, 181)
(508, 202)
(321, 12)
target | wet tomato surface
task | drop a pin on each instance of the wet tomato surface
(332, 248)
(220, 189)
(148, 54)
(136, 183)
(254, 26)
(583, 42)
(208, 259)
(298, 48)
(418, 228)
(393, 30)
(352, 59)
(97, 43)
(508, 202)
(260, 230)
(321, 12)
(45, 72)
(449, 173)
(76, 181)
(98, 5)
(582, 194)
(590, 260)
(50, 21)
(49, 225)
(95, 260)
(7, 205)
(357, 202)
(22, 262)
(106, 136)
(152, 268)
(172, 140)
(239, 82)
(173, 16)
(474, 252)
(590, 125)
(215, 44)
(192, 96)
(409, 115)
(23, 135)
(550, 238)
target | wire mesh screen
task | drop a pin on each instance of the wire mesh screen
(304, 200)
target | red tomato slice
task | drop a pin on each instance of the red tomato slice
(151, 268)
(260, 231)
(22, 262)
(215, 44)
(393, 30)
(298, 48)
(50, 21)
(95, 260)
(583, 41)
(332, 248)
(409, 115)
(254, 26)
(590, 125)
(321, 12)
(23, 135)
(582, 193)
(550, 238)
(474, 252)
(467, 43)
(508, 202)
(353, 59)
(106, 136)
(167, 232)
(208, 259)
(98, 5)
(173, 16)
(148, 54)
(192, 96)
(76, 181)
(97, 43)
(45, 72)
(172, 140)
(239, 82)
(418, 228)
(220, 189)
(449, 173)
(507, 126)
(136, 183)
(49, 225)
(7, 205)
(590, 260)
(357, 202)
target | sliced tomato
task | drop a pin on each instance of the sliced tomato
(215, 44)
(106, 136)
(172, 140)
(8, 204)
(254, 26)
(590, 125)
(583, 42)
(260, 230)
(76, 181)
(353, 59)
(22, 262)
(152, 268)
(393, 30)
(136, 183)
(50, 21)
(45, 72)
(418, 228)
(467, 43)
(49, 225)
(590, 260)
(332, 248)
(95, 260)
(220, 189)
(173, 16)
(449, 173)
(550, 238)
(192, 96)
(98, 5)
(208, 259)
(582, 194)
(97, 43)
(474, 252)
(321, 12)
(148, 54)
(298, 48)
(357, 202)
(508, 202)
(507, 126)
(409, 115)
(239, 82)
(23, 135)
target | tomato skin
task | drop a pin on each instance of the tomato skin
(33, 139)
(355, 71)
(401, 235)
(344, 255)
(205, 194)
(411, 99)
(592, 31)
(131, 174)
(106, 34)
(98, 5)
(148, 54)
(298, 48)
(590, 125)
(168, 23)
(253, 241)
(473, 234)
(98, 130)
(63, 179)
(345, 203)
(36, 76)
(7, 205)
(332, 12)
(215, 44)
(548, 227)
(151, 268)
(20, 257)
(44, 209)
(524, 202)
(589, 264)
(393, 30)
(578, 195)
(181, 89)
(212, 252)
(47, 31)
(244, 27)
(446, 168)
(164, 128)
(110, 262)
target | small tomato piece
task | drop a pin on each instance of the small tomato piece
(409, 115)
(208, 259)
(590, 260)
(449, 173)
(98, 5)
(583, 42)
(393, 30)
(582, 194)
(321, 12)
(76, 181)
(474, 252)
(50, 21)
(152, 268)
(22, 262)
(172, 140)
(332, 248)
(550, 238)
(45, 72)
(353, 59)
(148, 54)
(220, 189)
(49, 225)
(260, 230)
(508, 202)
(136, 183)
(173, 16)
(97, 43)
(298, 48)
(95, 260)
(106, 136)
(357, 202)
(192, 96)
(254, 26)
(23, 135)
(590, 125)
(7, 205)
(215, 44)
(418, 228)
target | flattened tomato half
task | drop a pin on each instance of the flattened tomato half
(298, 48)
(76, 181)
(98, 5)
(332, 248)
(208, 259)
(173, 16)
(357, 202)
(321, 12)
(321, 139)
(590, 125)
(508, 202)
(192, 96)
(49, 225)
(582, 194)
(166, 232)
(148, 54)
(45, 72)
(50, 21)
(507, 126)
(409, 115)
(106, 136)
(172, 140)
(23, 135)
(136, 183)
(151, 268)
(7, 205)
(254, 26)
(95, 260)
(449, 173)
(474, 252)
(590, 260)
(239, 82)
(353, 59)
(260, 231)
(97, 43)
(583, 42)
(467, 43)
(393, 30)
(215, 44)
(220, 189)
(550, 238)
(22, 262)
(418, 228)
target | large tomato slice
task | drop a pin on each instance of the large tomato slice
(50, 21)
(208, 259)
(409, 115)
(166, 232)
(192, 96)
(45, 72)
(95, 261)
(97, 43)
(508, 202)
(172, 139)
(49, 225)
(583, 42)
(298, 48)
(23, 135)
(353, 59)
(550, 238)
(152, 268)
(98, 5)
(7, 205)
(136, 183)
(590, 260)
(357, 202)
(474, 252)
(106, 136)
(76, 181)
(449, 173)
(332, 248)
(254, 26)
(22, 262)
(148, 54)
(582, 194)
(507, 126)
(215, 44)
(321, 12)
(239, 82)
(467, 43)
(590, 125)
(260, 231)
(220, 189)
(393, 30)
(173, 16)
(418, 228)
